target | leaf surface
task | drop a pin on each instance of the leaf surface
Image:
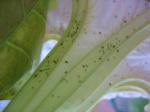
(75, 74)
(22, 26)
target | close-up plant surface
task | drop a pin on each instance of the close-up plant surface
(80, 68)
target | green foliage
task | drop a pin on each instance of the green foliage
(137, 104)
(53, 87)
(53, 4)
(70, 79)
(22, 25)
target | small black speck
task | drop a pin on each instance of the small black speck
(113, 46)
(35, 75)
(54, 61)
(127, 37)
(83, 66)
(52, 95)
(66, 61)
(115, 16)
(102, 47)
(99, 33)
(61, 43)
(114, 1)
(125, 21)
(40, 70)
(108, 59)
(58, 96)
(100, 58)
(117, 50)
(64, 79)
(12, 93)
(66, 72)
(110, 84)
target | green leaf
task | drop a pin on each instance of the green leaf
(72, 78)
(137, 104)
(12, 14)
(22, 25)
(53, 4)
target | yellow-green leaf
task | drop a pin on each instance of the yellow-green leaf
(22, 26)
